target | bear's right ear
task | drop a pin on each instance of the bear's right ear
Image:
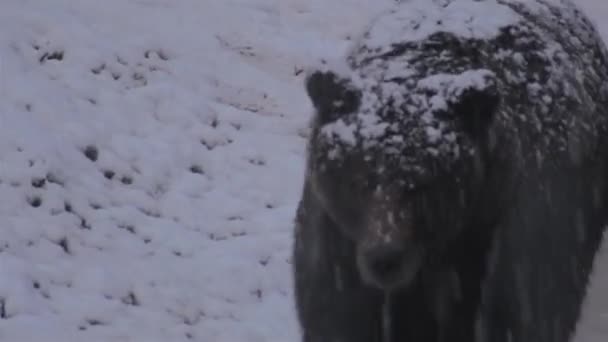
(331, 95)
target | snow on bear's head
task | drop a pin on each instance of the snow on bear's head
(400, 128)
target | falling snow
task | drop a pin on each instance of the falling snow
(151, 156)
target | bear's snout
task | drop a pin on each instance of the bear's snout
(389, 265)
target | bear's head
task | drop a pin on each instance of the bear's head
(398, 163)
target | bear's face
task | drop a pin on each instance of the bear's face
(398, 181)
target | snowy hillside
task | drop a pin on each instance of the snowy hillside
(151, 158)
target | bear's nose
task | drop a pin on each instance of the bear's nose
(385, 262)
(390, 265)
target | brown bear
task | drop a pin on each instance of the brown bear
(456, 175)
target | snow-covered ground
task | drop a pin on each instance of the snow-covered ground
(151, 158)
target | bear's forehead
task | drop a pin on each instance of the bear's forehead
(406, 123)
(404, 113)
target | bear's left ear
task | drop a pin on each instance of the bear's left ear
(476, 109)
(331, 95)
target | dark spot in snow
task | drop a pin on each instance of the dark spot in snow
(28, 107)
(264, 261)
(297, 71)
(94, 321)
(68, 207)
(121, 61)
(197, 169)
(147, 240)
(270, 206)
(137, 76)
(211, 145)
(35, 201)
(236, 126)
(3, 308)
(235, 218)
(177, 253)
(91, 152)
(237, 234)
(92, 101)
(189, 320)
(56, 55)
(257, 161)
(84, 224)
(189, 335)
(116, 76)
(98, 70)
(159, 53)
(257, 293)
(63, 243)
(52, 178)
(208, 145)
(214, 237)
(149, 212)
(95, 206)
(126, 180)
(109, 174)
(38, 182)
(215, 122)
(127, 227)
(130, 299)
(36, 284)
